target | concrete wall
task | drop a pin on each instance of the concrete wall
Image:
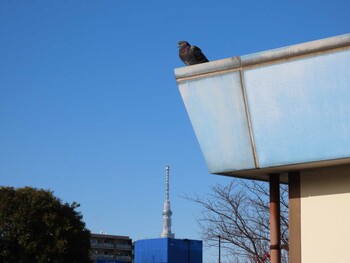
(325, 215)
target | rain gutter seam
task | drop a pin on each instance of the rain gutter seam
(251, 135)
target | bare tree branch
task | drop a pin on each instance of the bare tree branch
(239, 214)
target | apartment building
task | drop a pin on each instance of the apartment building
(110, 248)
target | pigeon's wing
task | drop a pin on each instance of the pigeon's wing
(197, 53)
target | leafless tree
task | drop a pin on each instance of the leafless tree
(240, 214)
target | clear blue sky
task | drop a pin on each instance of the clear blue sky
(90, 109)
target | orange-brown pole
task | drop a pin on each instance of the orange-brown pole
(275, 230)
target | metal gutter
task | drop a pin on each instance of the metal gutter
(296, 50)
(245, 99)
(231, 63)
(206, 68)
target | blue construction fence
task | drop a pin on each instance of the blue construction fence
(168, 250)
(108, 261)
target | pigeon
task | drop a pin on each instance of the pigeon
(190, 55)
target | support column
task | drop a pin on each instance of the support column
(294, 217)
(275, 224)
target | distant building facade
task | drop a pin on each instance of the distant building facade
(110, 248)
(168, 250)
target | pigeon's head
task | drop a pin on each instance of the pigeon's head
(183, 44)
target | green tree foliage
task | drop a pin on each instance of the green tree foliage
(35, 226)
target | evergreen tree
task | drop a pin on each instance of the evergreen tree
(35, 226)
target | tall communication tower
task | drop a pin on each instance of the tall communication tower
(167, 211)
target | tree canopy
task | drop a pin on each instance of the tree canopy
(35, 226)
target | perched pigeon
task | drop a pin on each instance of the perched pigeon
(190, 55)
